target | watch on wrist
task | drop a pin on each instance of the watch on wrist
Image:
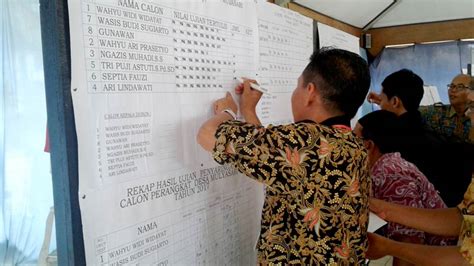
(231, 113)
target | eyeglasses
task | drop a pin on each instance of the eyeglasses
(457, 87)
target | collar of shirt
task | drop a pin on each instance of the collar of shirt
(333, 121)
(392, 156)
(337, 120)
(411, 120)
(452, 113)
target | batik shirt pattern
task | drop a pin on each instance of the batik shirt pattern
(466, 237)
(317, 187)
(398, 181)
(444, 120)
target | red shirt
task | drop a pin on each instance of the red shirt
(398, 181)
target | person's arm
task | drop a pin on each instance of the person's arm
(470, 114)
(414, 253)
(244, 145)
(373, 97)
(249, 99)
(206, 135)
(252, 118)
(444, 222)
(471, 130)
(248, 103)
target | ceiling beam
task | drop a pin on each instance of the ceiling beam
(380, 15)
(325, 19)
(419, 33)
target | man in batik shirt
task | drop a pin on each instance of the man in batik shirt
(315, 170)
(451, 120)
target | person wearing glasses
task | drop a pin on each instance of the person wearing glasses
(451, 120)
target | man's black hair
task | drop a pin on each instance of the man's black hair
(407, 86)
(342, 77)
(383, 128)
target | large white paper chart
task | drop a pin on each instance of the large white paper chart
(144, 75)
(285, 46)
(332, 37)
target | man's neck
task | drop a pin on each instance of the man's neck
(374, 156)
(321, 116)
(401, 112)
(460, 109)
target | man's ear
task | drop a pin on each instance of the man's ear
(398, 105)
(311, 94)
(369, 144)
(396, 102)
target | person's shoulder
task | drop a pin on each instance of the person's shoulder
(312, 128)
(302, 125)
(442, 108)
(286, 127)
(335, 131)
(300, 128)
(439, 106)
(392, 161)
